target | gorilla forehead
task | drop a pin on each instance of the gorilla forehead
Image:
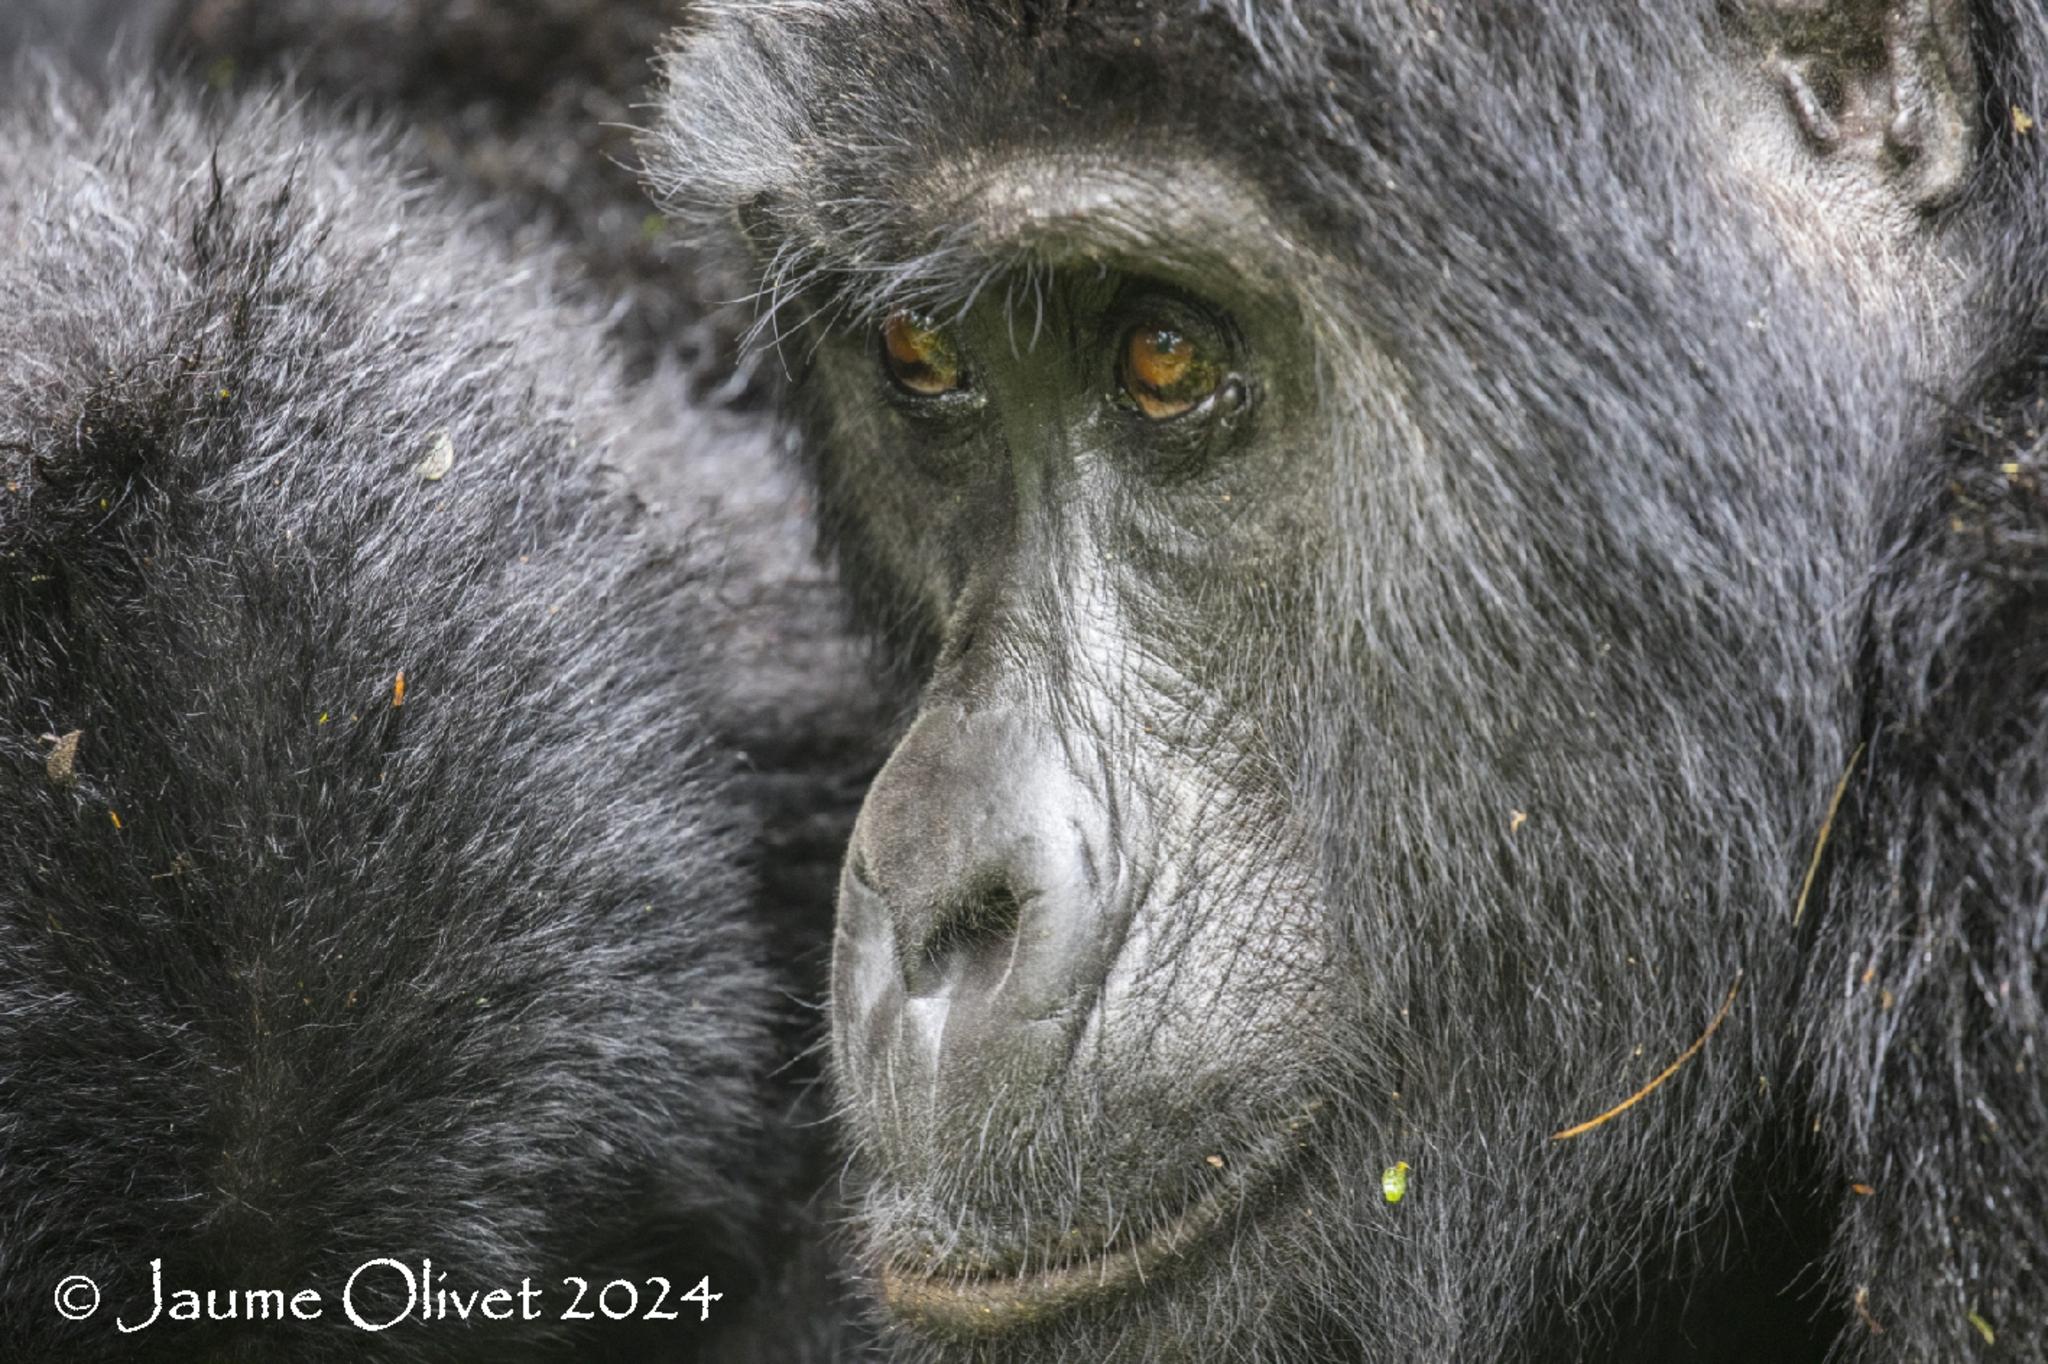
(861, 138)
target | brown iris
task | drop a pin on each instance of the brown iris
(920, 356)
(1166, 372)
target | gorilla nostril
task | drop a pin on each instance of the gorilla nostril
(966, 880)
(969, 937)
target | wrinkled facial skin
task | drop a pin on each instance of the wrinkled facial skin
(1080, 938)
(1373, 512)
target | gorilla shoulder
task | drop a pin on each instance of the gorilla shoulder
(366, 886)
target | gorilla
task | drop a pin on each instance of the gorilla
(1474, 580)
(525, 107)
(369, 889)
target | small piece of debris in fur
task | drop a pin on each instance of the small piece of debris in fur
(1516, 819)
(1216, 1161)
(1632, 1100)
(1394, 1182)
(1862, 1190)
(115, 815)
(2022, 121)
(440, 458)
(398, 690)
(62, 764)
(1863, 1311)
(1983, 1329)
(1827, 828)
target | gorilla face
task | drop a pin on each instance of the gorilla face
(1376, 502)
(1080, 927)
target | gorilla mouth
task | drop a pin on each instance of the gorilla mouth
(958, 1301)
(990, 1302)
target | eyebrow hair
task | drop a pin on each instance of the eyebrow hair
(939, 246)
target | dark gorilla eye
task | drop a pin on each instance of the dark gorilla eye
(1166, 372)
(920, 357)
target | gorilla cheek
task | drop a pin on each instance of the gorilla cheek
(1076, 1011)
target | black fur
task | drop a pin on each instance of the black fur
(1926, 1033)
(1925, 1039)
(293, 975)
(1643, 536)
(527, 105)
(528, 109)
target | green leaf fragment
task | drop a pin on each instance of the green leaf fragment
(1394, 1181)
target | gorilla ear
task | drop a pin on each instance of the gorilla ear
(1889, 83)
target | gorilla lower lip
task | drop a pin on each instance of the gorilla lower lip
(987, 1302)
(969, 1302)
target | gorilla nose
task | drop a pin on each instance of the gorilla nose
(969, 904)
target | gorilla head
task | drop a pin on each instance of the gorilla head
(1379, 502)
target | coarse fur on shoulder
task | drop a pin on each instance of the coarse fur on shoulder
(366, 886)
(1927, 964)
